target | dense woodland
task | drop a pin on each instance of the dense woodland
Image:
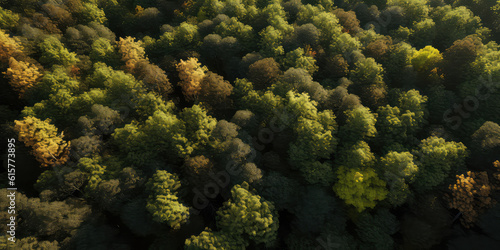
(252, 124)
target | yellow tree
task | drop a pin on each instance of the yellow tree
(191, 74)
(360, 187)
(132, 52)
(48, 147)
(425, 62)
(8, 48)
(22, 75)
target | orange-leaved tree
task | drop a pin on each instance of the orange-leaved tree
(22, 75)
(49, 148)
(471, 196)
(191, 73)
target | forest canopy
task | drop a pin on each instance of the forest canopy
(243, 124)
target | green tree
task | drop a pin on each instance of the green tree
(399, 170)
(315, 139)
(102, 50)
(375, 230)
(305, 35)
(457, 59)
(391, 126)
(299, 80)
(455, 23)
(91, 13)
(8, 19)
(329, 26)
(357, 155)
(360, 125)
(54, 52)
(360, 187)
(271, 42)
(140, 143)
(233, 27)
(199, 126)
(485, 144)
(163, 202)
(208, 239)
(186, 36)
(424, 33)
(249, 216)
(414, 107)
(436, 160)
(367, 76)
(49, 220)
(398, 64)
(425, 62)
(299, 59)
(340, 101)
(52, 82)
(413, 11)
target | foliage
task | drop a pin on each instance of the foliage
(54, 52)
(163, 203)
(436, 160)
(43, 219)
(471, 196)
(8, 19)
(213, 240)
(399, 170)
(48, 147)
(131, 52)
(191, 74)
(297, 59)
(214, 89)
(196, 123)
(458, 23)
(263, 72)
(376, 230)
(22, 75)
(248, 215)
(360, 124)
(360, 187)
(485, 143)
(9, 47)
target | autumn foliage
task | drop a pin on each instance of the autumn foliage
(471, 196)
(49, 148)
(131, 51)
(191, 74)
(22, 75)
